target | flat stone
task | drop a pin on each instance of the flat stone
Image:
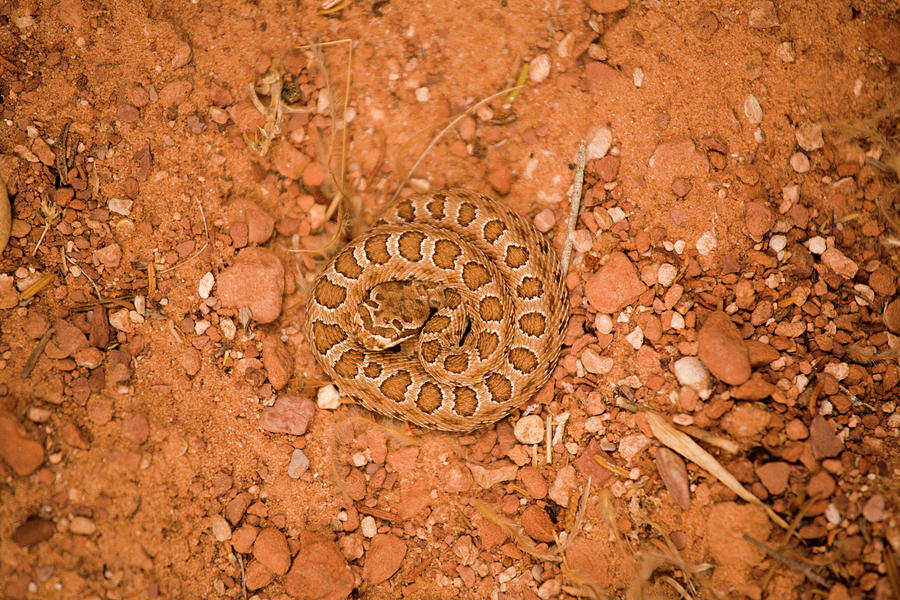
(290, 414)
(287, 160)
(602, 79)
(722, 349)
(835, 260)
(384, 558)
(271, 549)
(278, 361)
(256, 280)
(756, 388)
(823, 440)
(319, 572)
(759, 219)
(745, 420)
(615, 285)
(774, 476)
(534, 482)
(537, 524)
(33, 531)
(762, 15)
(22, 454)
(676, 159)
(136, 428)
(487, 477)
(258, 575)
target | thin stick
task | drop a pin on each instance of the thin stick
(36, 353)
(449, 126)
(574, 205)
(797, 566)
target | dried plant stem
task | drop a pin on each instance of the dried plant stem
(574, 206)
(453, 121)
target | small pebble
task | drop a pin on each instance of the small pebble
(666, 274)
(368, 527)
(539, 68)
(800, 162)
(689, 371)
(529, 430)
(816, 245)
(221, 530)
(599, 141)
(206, 285)
(603, 323)
(298, 465)
(778, 243)
(753, 110)
(82, 526)
(120, 206)
(422, 94)
(328, 398)
(594, 363)
(545, 220)
(581, 240)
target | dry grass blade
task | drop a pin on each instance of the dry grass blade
(574, 206)
(790, 562)
(453, 121)
(666, 433)
(515, 533)
(5, 216)
(893, 571)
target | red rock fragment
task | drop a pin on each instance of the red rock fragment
(271, 549)
(822, 439)
(774, 476)
(384, 557)
(256, 280)
(319, 572)
(615, 285)
(23, 455)
(290, 414)
(537, 524)
(722, 350)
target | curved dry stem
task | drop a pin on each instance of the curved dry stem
(450, 123)
(5, 216)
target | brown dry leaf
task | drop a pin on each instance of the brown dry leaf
(666, 433)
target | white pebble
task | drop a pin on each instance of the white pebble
(229, 329)
(599, 141)
(594, 363)
(422, 94)
(595, 425)
(539, 68)
(529, 430)
(545, 220)
(328, 398)
(816, 245)
(677, 321)
(778, 243)
(839, 371)
(638, 77)
(666, 274)
(707, 243)
(617, 214)
(359, 459)
(221, 530)
(690, 371)
(679, 246)
(82, 526)
(206, 285)
(603, 323)
(298, 465)
(753, 110)
(120, 206)
(581, 240)
(800, 162)
(635, 338)
(368, 527)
